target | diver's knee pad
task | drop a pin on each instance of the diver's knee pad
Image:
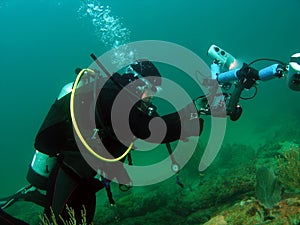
(40, 169)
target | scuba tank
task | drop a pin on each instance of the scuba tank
(45, 157)
(39, 169)
(56, 134)
(57, 126)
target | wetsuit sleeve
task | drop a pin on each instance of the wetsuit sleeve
(175, 126)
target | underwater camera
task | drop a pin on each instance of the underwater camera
(244, 78)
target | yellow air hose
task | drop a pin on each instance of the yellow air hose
(75, 125)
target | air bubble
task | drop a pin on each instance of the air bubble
(108, 29)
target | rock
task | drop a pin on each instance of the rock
(218, 220)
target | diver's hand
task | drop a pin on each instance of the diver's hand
(201, 105)
(216, 110)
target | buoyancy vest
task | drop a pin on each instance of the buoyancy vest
(56, 128)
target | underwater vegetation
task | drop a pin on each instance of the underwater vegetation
(71, 221)
(288, 171)
(277, 196)
(244, 185)
(268, 188)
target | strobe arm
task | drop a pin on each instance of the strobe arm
(246, 78)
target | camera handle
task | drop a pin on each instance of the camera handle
(247, 77)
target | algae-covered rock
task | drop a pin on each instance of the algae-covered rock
(251, 211)
(218, 220)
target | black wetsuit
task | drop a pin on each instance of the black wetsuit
(72, 180)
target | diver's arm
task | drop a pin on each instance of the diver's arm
(175, 126)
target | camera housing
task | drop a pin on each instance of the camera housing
(221, 56)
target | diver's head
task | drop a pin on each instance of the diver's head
(147, 70)
(146, 77)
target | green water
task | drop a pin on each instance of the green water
(42, 42)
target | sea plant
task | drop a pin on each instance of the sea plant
(268, 189)
(52, 220)
(288, 170)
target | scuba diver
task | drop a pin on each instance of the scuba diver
(60, 175)
(63, 174)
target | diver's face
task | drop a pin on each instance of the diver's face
(147, 95)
